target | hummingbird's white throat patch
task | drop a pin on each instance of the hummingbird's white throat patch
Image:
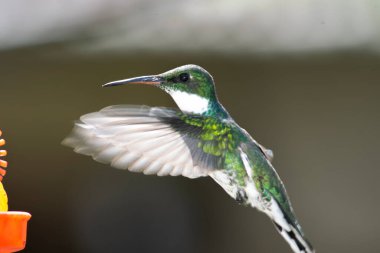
(190, 102)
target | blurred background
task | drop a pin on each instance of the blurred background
(301, 76)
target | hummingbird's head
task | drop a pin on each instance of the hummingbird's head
(191, 87)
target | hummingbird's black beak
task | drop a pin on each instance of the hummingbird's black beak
(149, 80)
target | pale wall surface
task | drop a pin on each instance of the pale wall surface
(223, 26)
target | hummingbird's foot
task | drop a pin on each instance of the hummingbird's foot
(241, 197)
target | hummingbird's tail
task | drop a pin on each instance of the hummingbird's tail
(295, 239)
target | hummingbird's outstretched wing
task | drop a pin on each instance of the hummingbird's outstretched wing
(152, 140)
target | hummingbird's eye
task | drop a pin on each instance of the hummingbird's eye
(184, 77)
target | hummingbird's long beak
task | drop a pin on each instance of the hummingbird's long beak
(149, 80)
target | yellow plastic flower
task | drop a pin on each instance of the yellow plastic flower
(3, 164)
(3, 199)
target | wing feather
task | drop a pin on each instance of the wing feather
(140, 139)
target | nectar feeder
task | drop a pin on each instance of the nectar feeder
(13, 225)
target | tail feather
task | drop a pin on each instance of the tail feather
(295, 239)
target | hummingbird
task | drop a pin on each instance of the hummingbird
(198, 140)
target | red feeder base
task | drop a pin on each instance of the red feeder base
(13, 231)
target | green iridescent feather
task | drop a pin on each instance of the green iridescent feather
(218, 143)
(268, 182)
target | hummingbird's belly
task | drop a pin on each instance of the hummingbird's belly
(246, 195)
